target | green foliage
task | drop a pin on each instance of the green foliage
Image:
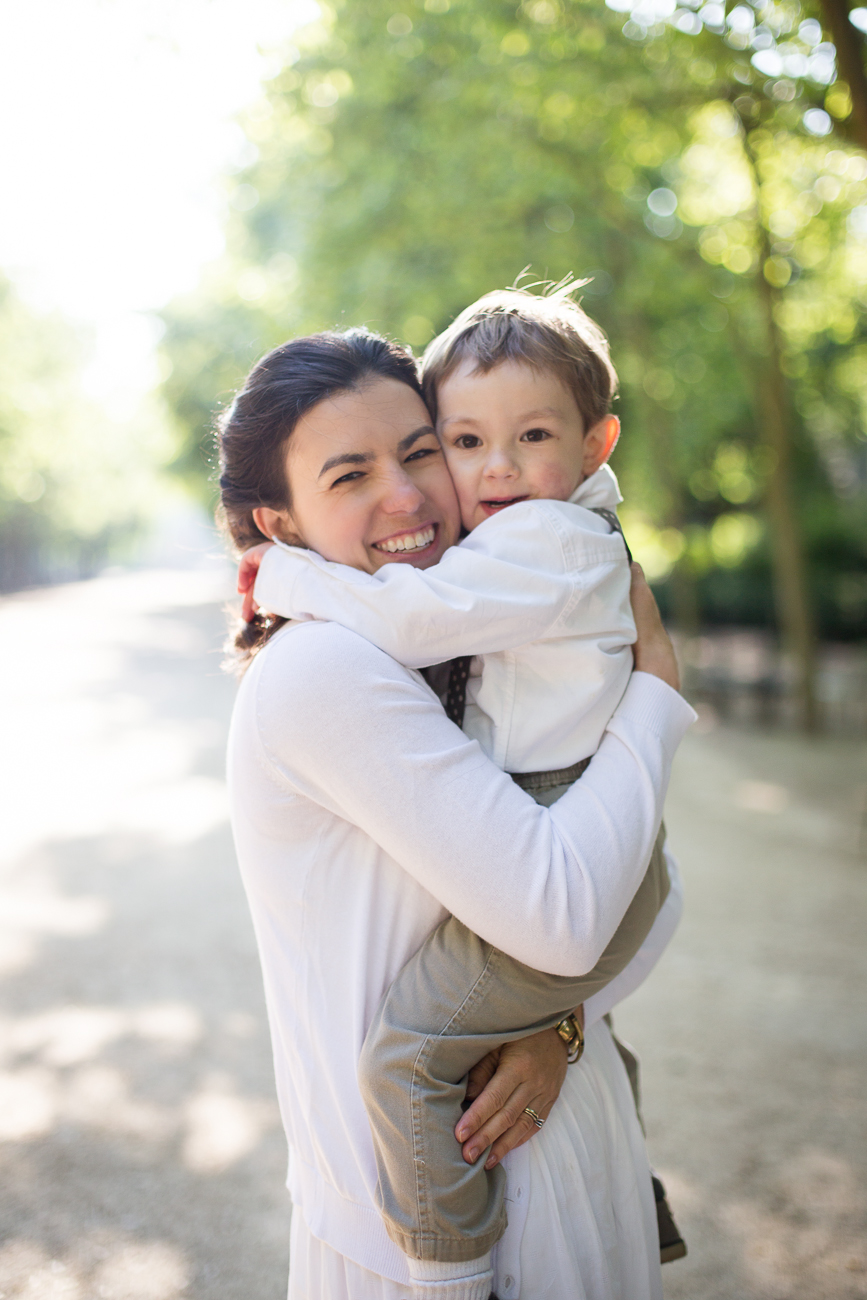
(74, 486)
(409, 161)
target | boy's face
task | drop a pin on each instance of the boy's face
(514, 434)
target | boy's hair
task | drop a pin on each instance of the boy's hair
(547, 330)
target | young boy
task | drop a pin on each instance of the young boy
(538, 593)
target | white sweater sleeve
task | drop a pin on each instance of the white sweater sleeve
(505, 585)
(344, 725)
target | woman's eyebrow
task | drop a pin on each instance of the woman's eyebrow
(407, 442)
(349, 458)
(362, 457)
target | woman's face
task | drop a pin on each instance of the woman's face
(368, 480)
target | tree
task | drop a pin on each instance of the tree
(409, 161)
(75, 486)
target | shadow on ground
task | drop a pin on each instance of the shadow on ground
(142, 1153)
(752, 1032)
(143, 1156)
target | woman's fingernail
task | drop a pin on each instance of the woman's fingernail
(473, 1153)
(489, 1164)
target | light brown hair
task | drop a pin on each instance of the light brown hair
(548, 330)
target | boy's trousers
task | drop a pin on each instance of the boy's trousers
(454, 1001)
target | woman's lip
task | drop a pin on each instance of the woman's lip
(408, 532)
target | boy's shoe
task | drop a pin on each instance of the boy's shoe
(671, 1244)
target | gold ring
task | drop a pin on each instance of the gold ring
(537, 1120)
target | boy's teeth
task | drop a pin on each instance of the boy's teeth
(409, 542)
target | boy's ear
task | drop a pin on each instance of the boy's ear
(276, 523)
(599, 442)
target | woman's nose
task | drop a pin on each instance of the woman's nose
(401, 496)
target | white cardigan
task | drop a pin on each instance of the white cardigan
(362, 817)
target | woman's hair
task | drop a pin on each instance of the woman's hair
(253, 432)
(547, 330)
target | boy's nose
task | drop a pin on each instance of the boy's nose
(500, 465)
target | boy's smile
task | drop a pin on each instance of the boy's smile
(494, 504)
(515, 433)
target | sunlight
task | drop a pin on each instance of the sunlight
(113, 204)
(223, 1127)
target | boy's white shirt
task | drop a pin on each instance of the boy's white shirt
(538, 593)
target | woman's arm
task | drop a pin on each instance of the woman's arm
(660, 936)
(344, 725)
(508, 583)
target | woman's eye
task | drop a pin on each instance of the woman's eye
(535, 435)
(467, 441)
(347, 478)
(422, 453)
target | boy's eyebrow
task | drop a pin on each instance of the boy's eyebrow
(362, 457)
(526, 415)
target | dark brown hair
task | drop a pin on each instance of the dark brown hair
(252, 433)
(548, 331)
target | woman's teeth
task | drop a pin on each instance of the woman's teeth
(408, 542)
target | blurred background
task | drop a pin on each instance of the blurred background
(188, 183)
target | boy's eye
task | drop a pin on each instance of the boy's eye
(535, 435)
(467, 441)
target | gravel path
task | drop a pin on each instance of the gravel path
(141, 1149)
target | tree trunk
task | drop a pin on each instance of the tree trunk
(791, 585)
(850, 60)
(794, 606)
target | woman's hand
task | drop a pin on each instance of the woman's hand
(529, 1072)
(654, 652)
(247, 570)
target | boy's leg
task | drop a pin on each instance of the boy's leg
(630, 1063)
(671, 1244)
(454, 1001)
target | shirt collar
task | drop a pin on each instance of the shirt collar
(600, 489)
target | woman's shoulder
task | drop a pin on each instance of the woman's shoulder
(314, 677)
(317, 652)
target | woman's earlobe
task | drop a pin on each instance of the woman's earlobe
(276, 523)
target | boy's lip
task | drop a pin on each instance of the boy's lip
(409, 536)
(495, 504)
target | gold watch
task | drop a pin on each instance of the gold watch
(573, 1036)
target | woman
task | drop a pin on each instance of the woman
(362, 817)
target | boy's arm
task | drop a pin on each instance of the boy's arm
(505, 585)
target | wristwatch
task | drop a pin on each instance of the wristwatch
(573, 1036)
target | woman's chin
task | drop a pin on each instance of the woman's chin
(418, 559)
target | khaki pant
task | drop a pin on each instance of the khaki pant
(456, 999)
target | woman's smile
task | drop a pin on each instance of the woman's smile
(412, 542)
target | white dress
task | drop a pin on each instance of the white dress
(589, 1232)
(361, 817)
